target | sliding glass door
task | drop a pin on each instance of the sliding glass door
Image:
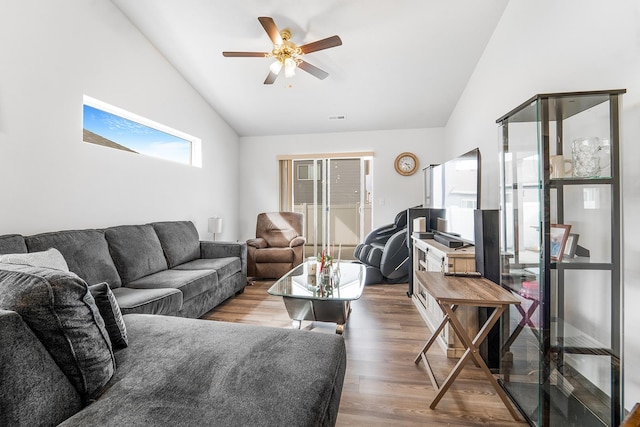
(333, 194)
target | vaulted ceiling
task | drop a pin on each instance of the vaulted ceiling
(403, 64)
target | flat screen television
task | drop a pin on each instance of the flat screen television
(454, 186)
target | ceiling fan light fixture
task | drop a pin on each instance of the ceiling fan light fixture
(275, 67)
(289, 67)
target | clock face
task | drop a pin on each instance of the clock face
(406, 164)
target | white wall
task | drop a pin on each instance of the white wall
(51, 53)
(392, 192)
(550, 46)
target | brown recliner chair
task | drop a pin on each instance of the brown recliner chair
(278, 246)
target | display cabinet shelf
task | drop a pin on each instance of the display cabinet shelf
(559, 182)
(581, 263)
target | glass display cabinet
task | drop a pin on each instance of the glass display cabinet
(561, 254)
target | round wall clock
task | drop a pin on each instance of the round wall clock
(406, 163)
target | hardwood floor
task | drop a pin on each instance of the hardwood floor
(383, 386)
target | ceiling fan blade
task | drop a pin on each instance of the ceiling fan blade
(270, 78)
(271, 29)
(245, 54)
(313, 70)
(332, 41)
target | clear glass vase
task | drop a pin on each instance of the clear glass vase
(335, 276)
(325, 276)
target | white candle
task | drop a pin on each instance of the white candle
(311, 266)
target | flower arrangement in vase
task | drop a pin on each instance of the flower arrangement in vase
(329, 275)
(325, 261)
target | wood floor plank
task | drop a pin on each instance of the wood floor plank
(383, 387)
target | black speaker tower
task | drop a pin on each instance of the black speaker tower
(487, 242)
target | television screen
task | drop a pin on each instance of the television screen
(455, 187)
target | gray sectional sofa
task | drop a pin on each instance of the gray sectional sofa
(158, 268)
(59, 367)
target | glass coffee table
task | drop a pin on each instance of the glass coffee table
(304, 300)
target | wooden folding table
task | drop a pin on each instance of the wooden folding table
(451, 292)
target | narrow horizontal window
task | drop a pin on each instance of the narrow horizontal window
(109, 126)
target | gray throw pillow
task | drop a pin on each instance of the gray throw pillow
(58, 307)
(111, 314)
(51, 258)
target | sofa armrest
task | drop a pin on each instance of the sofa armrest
(33, 390)
(209, 249)
(297, 241)
(258, 243)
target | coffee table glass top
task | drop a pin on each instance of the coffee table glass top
(298, 284)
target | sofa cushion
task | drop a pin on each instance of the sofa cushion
(135, 250)
(277, 238)
(110, 312)
(190, 282)
(218, 373)
(165, 301)
(210, 249)
(180, 241)
(274, 255)
(86, 253)
(225, 267)
(60, 310)
(33, 390)
(51, 258)
(12, 244)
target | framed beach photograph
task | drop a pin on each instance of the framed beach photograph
(571, 245)
(559, 235)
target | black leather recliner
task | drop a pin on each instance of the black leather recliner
(385, 252)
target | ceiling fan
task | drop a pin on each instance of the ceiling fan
(286, 53)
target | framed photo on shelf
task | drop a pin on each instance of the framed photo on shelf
(559, 235)
(571, 245)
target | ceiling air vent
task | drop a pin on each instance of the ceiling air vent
(338, 117)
